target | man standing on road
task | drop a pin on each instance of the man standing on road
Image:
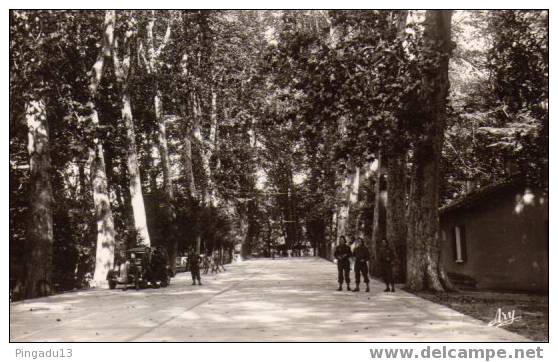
(362, 256)
(194, 260)
(343, 254)
(387, 259)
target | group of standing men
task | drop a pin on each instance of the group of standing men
(361, 255)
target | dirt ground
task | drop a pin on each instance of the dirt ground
(533, 309)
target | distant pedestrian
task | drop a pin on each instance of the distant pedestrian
(387, 260)
(205, 264)
(194, 261)
(362, 257)
(343, 254)
(214, 264)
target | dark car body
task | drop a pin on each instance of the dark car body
(142, 266)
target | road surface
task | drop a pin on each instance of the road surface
(256, 300)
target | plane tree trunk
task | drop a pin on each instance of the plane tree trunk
(187, 161)
(198, 138)
(379, 218)
(394, 165)
(122, 71)
(39, 246)
(424, 267)
(347, 198)
(104, 257)
(396, 222)
(152, 66)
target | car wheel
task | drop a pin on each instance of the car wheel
(112, 284)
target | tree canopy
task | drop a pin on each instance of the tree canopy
(208, 130)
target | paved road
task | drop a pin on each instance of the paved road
(257, 300)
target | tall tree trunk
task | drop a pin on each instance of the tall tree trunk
(347, 194)
(396, 223)
(342, 210)
(124, 186)
(138, 206)
(153, 66)
(243, 239)
(395, 164)
(163, 145)
(292, 209)
(206, 146)
(353, 201)
(197, 135)
(379, 221)
(210, 148)
(188, 170)
(104, 257)
(424, 268)
(333, 234)
(147, 162)
(170, 213)
(82, 189)
(122, 72)
(268, 237)
(38, 270)
(347, 197)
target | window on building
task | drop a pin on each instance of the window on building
(460, 244)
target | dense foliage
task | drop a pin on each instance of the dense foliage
(250, 126)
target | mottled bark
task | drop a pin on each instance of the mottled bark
(347, 198)
(243, 239)
(104, 257)
(353, 200)
(163, 146)
(82, 189)
(122, 72)
(395, 166)
(136, 193)
(39, 239)
(152, 62)
(188, 170)
(396, 223)
(424, 268)
(379, 221)
(332, 233)
(153, 65)
(198, 137)
(210, 149)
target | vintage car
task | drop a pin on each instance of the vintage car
(142, 266)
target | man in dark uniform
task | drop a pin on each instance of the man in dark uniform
(362, 256)
(343, 254)
(387, 259)
(194, 260)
